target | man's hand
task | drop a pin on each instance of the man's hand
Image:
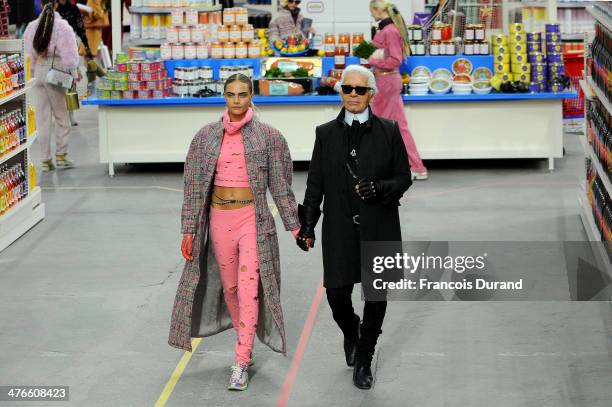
(305, 239)
(187, 247)
(366, 190)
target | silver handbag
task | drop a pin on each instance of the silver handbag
(59, 78)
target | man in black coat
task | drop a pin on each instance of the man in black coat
(359, 164)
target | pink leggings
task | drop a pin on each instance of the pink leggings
(234, 238)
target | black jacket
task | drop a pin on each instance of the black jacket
(382, 157)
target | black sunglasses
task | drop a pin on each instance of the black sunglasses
(294, 1)
(361, 90)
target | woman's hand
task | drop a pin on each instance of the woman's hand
(312, 30)
(187, 247)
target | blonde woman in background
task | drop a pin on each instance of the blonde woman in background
(391, 39)
(289, 21)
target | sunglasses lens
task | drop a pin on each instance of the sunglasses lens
(347, 90)
(361, 90)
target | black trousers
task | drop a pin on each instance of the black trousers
(341, 304)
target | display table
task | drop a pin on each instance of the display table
(444, 127)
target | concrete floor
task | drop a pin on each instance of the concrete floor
(85, 299)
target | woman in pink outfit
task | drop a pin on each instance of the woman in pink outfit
(229, 235)
(391, 40)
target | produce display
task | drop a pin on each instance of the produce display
(293, 45)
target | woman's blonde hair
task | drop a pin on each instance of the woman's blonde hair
(396, 17)
(283, 3)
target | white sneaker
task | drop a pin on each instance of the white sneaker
(239, 380)
(420, 176)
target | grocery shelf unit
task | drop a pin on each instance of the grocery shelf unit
(29, 211)
(592, 91)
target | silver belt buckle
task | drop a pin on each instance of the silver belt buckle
(356, 219)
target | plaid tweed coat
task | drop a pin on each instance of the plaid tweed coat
(199, 309)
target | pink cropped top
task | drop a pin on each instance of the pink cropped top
(231, 165)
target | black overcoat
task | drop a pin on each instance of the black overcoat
(382, 156)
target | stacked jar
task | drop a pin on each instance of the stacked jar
(191, 81)
(519, 63)
(501, 57)
(475, 40)
(415, 36)
(554, 58)
(441, 40)
(236, 37)
(537, 59)
(189, 34)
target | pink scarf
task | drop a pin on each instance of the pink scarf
(235, 127)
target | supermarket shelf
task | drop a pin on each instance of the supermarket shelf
(573, 4)
(142, 42)
(588, 93)
(572, 37)
(600, 95)
(4, 158)
(532, 3)
(605, 178)
(586, 214)
(15, 95)
(587, 219)
(266, 8)
(11, 45)
(168, 10)
(21, 218)
(599, 16)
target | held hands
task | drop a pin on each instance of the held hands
(187, 247)
(305, 238)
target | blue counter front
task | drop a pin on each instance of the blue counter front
(327, 100)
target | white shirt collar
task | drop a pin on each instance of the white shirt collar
(361, 117)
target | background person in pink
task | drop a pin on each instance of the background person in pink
(391, 39)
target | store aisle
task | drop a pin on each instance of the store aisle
(85, 298)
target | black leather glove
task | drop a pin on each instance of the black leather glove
(309, 216)
(366, 190)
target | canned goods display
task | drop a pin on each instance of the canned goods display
(416, 33)
(517, 28)
(165, 51)
(135, 86)
(553, 37)
(120, 85)
(500, 49)
(554, 48)
(116, 94)
(536, 57)
(502, 68)
(499, 39)
(537, 77)
(522, 77)
(535, 87)
(556, 69)
(518, 58)
(521, 68)
(248, 33)
(517, 38)
(468, 48)
(484, 48)
(518, 48)
(180, 88)
(434, 48)
(229, 50)
(539, 68)
(129, 94)
(202, 51)
(479, 32)
(177, 17)
(184, 34)
(504, 76)
(534, 47)
(216, 51)
(502, 58)
(191, 17)
(552, 28)
(223, 34)
(534, 36)
(178, 51)
(469, 33)
(206, 72)
(254, 49)
(554, 57)
(144, 94)
(242, 50)
(190, 51)
(197, 34)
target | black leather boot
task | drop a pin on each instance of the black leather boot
(350, 346)
(362, 375)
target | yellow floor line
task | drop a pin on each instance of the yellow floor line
(176, 375)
